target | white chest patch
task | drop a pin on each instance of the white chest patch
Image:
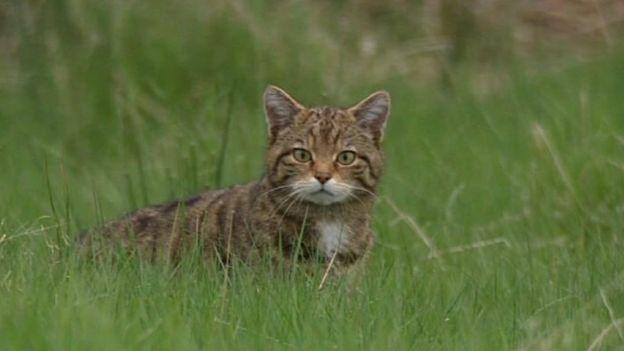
(334, 237)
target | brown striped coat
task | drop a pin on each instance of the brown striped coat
(313, 203)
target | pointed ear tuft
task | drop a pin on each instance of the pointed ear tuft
(372, 113)
(280, 109)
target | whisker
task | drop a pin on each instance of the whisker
(350, 194)
(274, 189)
(297, 198)
(266, 193)
(354, 187)
(284, 201)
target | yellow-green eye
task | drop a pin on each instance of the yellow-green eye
(346, 157)
(302, 155)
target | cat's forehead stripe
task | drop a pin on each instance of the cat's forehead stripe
(323, 130)
(325, 126)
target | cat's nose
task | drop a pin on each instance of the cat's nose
(322, 177)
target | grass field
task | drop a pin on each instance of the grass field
(501, 213)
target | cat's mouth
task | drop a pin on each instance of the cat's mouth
(324, 191)
(321, 194)
(324, 197)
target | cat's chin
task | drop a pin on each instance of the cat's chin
(324, 198)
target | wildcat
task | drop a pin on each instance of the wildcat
(314, 201)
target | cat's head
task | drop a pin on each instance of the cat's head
(325, 155)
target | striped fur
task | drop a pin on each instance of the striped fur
(284, 215)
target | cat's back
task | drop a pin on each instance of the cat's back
(173, 225)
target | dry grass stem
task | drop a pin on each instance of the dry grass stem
(543, 142)
(505, 219)
(605, 301)
(473, 246)
(433, 250)
(329, 267)
(559, 241)
(542, 343)
(595, 345)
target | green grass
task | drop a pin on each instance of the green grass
(109, 106)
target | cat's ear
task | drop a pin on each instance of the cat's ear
(280, 109)
(372, 113)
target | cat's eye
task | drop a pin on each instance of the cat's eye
(302, 155)
(346, 158)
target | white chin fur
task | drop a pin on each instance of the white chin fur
(322, 194)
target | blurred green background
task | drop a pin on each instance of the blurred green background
(501, 213)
